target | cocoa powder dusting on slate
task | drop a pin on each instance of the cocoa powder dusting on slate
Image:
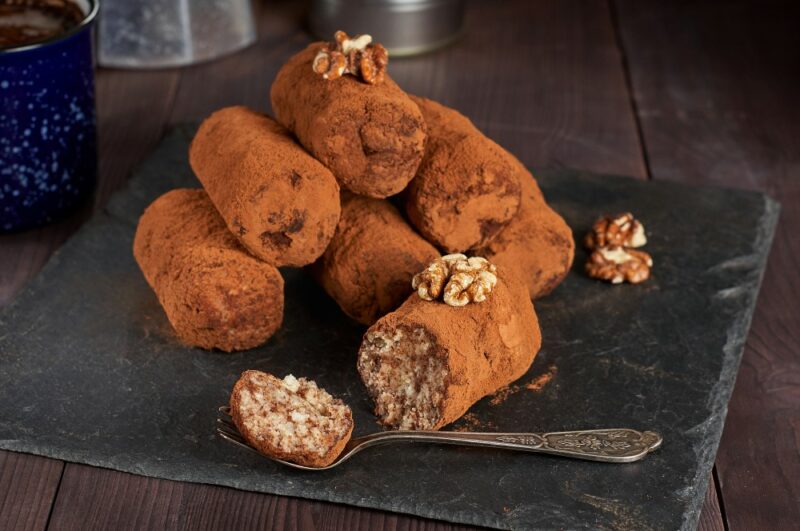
(536, 385)
(470, 422)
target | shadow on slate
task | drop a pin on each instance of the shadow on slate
(90, 371)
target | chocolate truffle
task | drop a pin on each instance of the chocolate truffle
(214, 293)
(427, 362)
(368, 267)
(466, 189)
(537, 243)
(372, 137)
(280, 202)
(290, 419)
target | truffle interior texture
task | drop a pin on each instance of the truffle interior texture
(406, 376)
(291, 419)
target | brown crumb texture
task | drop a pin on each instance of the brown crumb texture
(537, 243)
(214, 293)
(427, 362)
(372, 137)
(368, 267)
(466, 189)
(290, 419)
(280, 202)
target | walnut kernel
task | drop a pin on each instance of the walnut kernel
(460, 280)
(356, 56)
(622, 230)
(619, 264)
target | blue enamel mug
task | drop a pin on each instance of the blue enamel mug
(48, 144)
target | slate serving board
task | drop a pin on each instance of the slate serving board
(90, 371)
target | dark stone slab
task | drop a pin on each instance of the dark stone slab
(90, 371)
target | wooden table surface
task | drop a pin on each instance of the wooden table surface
(698, 93)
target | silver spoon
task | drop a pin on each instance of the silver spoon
(618, 445)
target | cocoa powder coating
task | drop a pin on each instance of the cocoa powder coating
(537, 243)
(483, 346)
(372, 137)
(281, 203)
(213, 292)
(466, 189)
(368, 266)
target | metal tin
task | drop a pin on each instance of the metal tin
(167, 33)
(48, 149)
(404, 27)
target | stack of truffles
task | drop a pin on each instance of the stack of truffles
(368, 186)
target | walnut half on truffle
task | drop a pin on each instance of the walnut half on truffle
(290, 419)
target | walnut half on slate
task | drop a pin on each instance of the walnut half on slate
(612, 241)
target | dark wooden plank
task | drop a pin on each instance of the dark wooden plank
(711, 516)
(542, 78)
(716, 87)
(27, 489)
(132, 111)
(92, 498)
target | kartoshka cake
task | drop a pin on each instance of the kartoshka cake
(537, 243)
(280, 202)
(467, 187)
(427, 362)
(214, 293)
(290, 419)
(371, 136)
(368, 266)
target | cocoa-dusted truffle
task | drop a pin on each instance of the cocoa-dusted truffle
(290, 419)
(214, 293)
(372, 137)
(427, 362)
(537, 243)
(280, 202)
(368, 267)
(466, 189)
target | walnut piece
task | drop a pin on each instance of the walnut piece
(460, 280)
(356, 56)
(622, 230)
(619, 264)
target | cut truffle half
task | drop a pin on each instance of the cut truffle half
(290, 419)
(427, 362)
(405, 376)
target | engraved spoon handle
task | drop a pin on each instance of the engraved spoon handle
(619, 445)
